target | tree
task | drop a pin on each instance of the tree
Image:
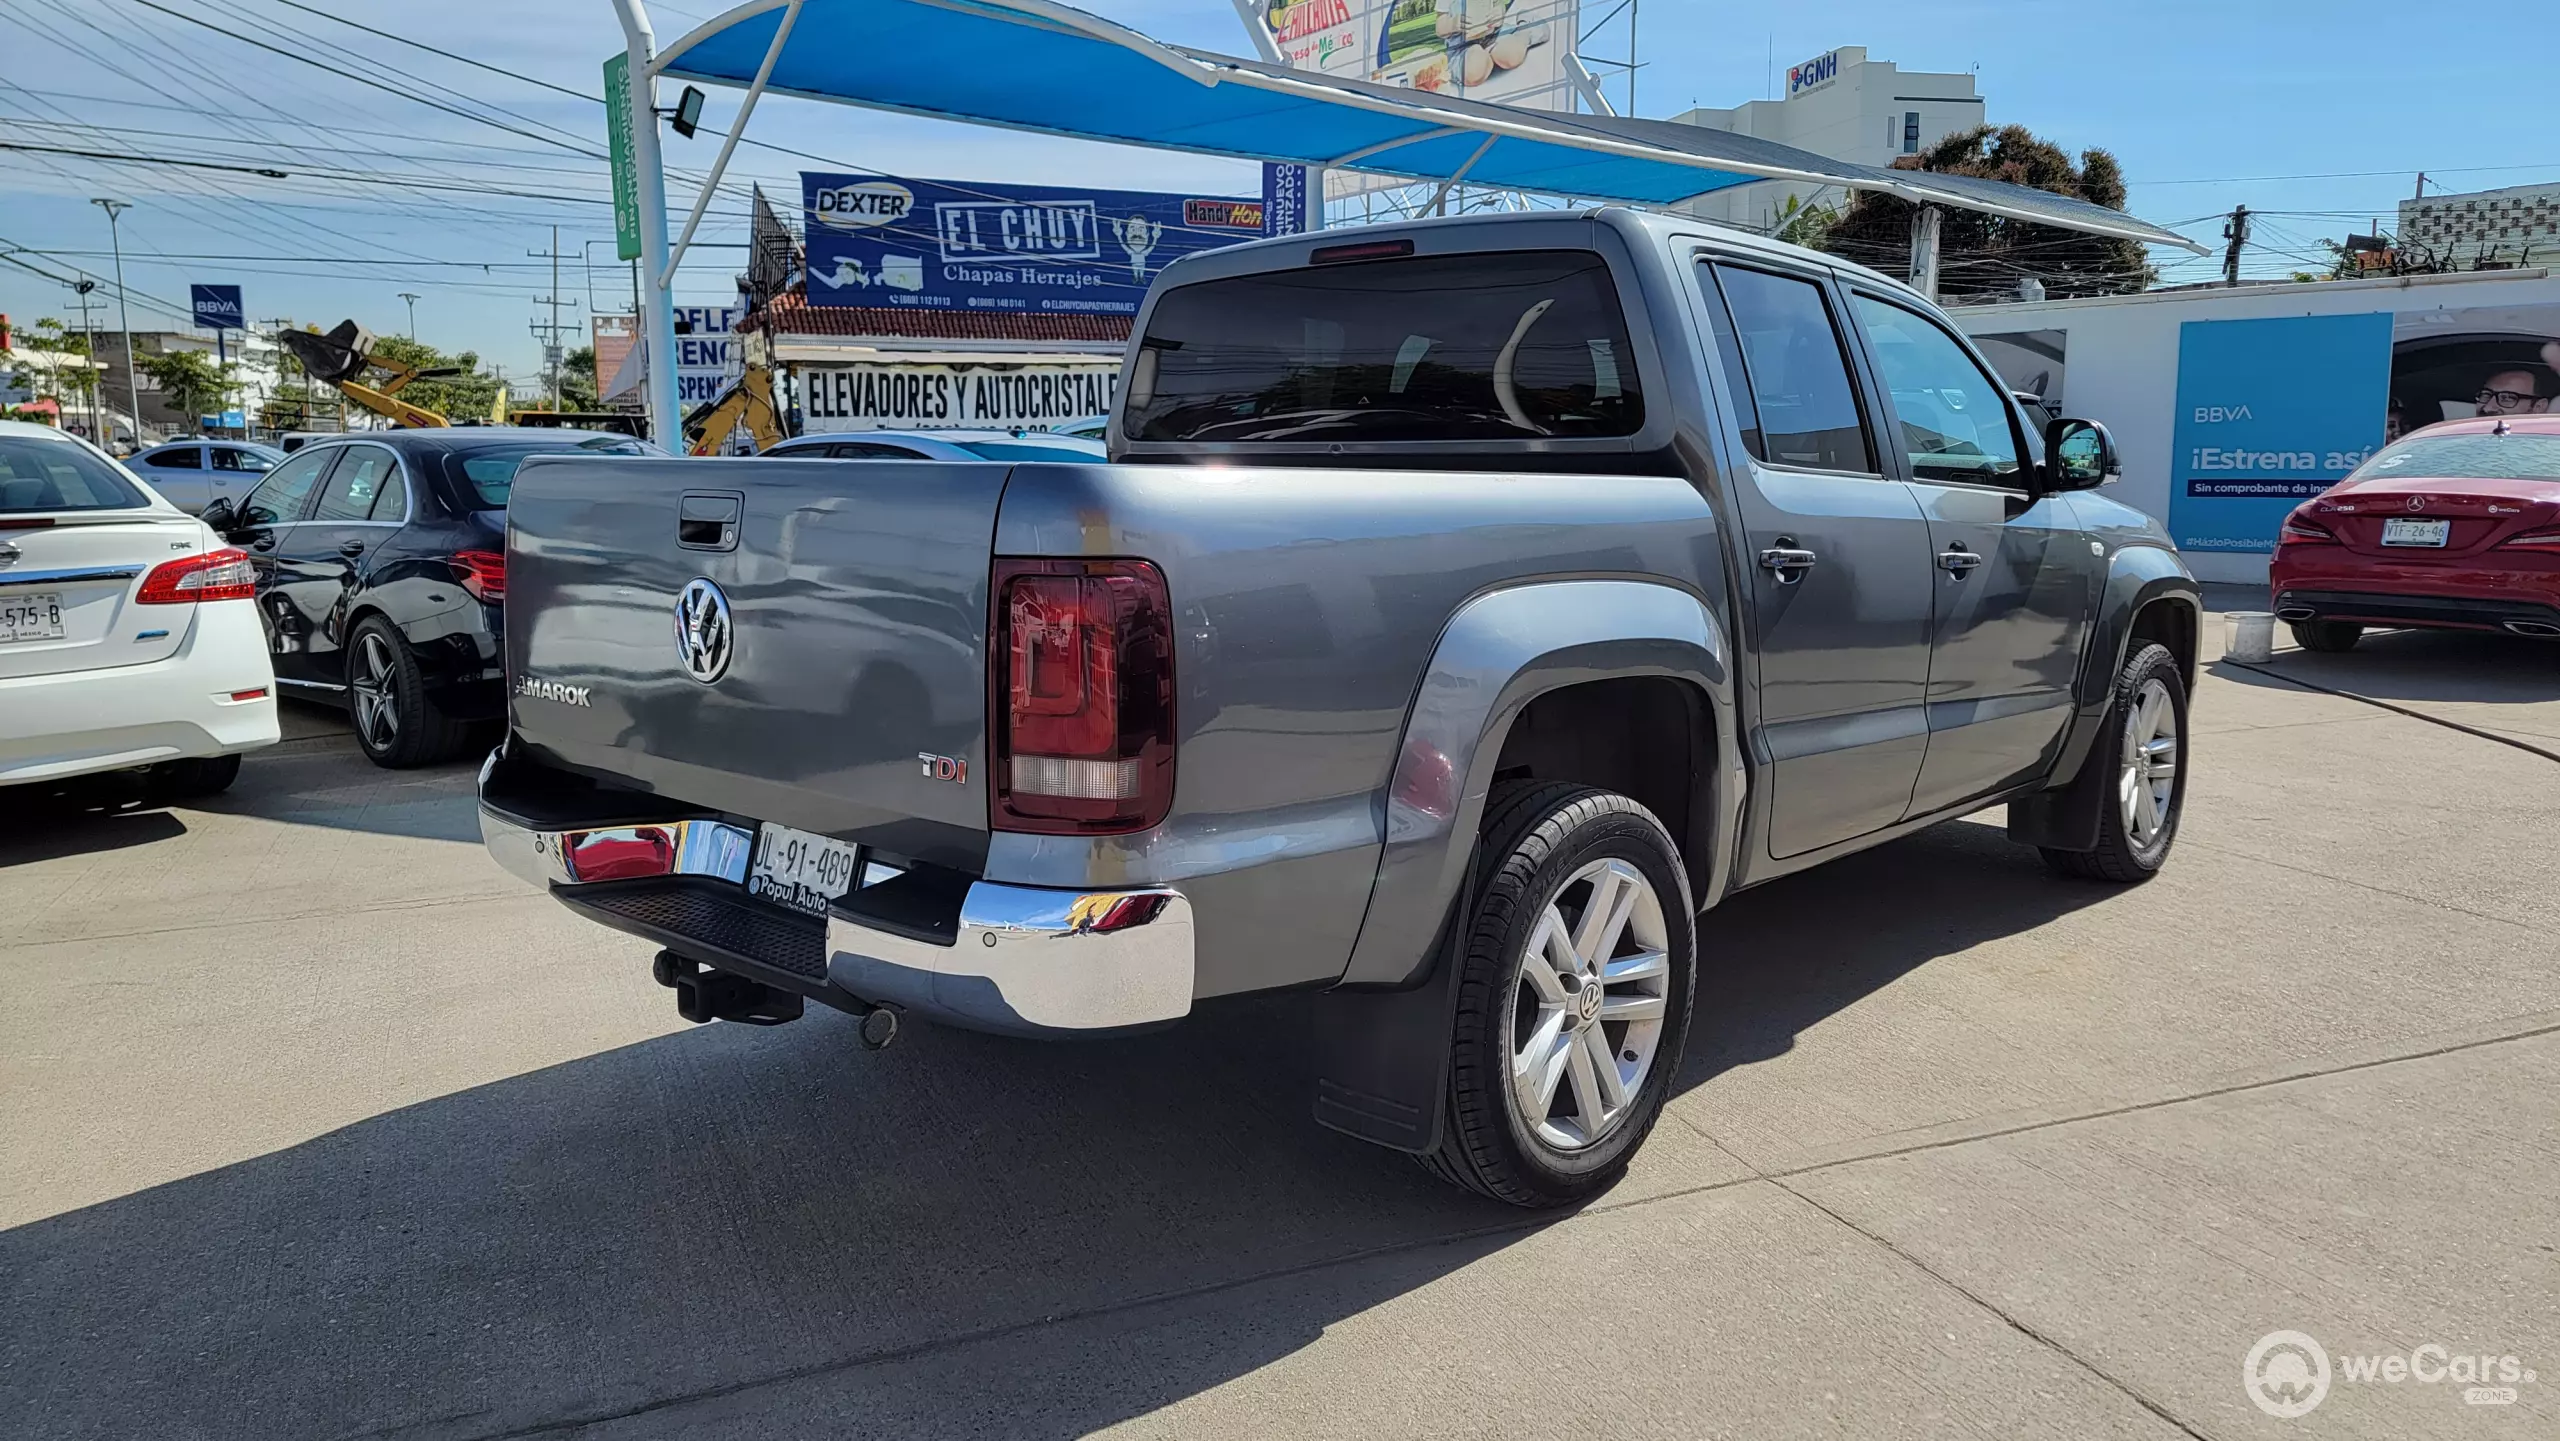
(462, 396)
(189, 378)
(1987, 255)
(578, 379)
(70, 382)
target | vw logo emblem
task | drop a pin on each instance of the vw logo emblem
(702, 630)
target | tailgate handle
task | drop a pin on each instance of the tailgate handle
(708, 519)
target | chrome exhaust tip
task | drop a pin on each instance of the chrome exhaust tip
(2295, 612)
(2539, 629)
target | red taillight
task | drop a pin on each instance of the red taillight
(2537, 540)
(214, 575)
(1082, 675)
(482, 572)
(2300, 526)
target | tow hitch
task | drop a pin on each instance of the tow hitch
(704, 994)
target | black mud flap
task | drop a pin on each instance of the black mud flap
(1382, 1057)
(2066, 818)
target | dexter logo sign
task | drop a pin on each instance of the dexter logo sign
(1813, 74)
(864, 205)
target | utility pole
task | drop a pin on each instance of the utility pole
(89, 337)
(411, 296)
(124, 319)
(2422, 185)
(2235, 230)
(550, 333)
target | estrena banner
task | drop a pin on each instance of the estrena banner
(930, 397)
(2270, 413)
(958, 245)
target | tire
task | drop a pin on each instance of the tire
(2329, 637)
(194, 779)
(396, 724)
(1550, 849)
(2135, 833)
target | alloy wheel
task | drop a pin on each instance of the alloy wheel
(2147, 785)
(376, 684)
(1588, 1008)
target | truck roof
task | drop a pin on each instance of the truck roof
(1651, 225)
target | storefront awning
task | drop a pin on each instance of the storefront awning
(1040, 66)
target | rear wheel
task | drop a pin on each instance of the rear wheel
(2144, 746)
(1573, 997)
(2326, 636)
(396, 722)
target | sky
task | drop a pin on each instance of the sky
(2316, 115)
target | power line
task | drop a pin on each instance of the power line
(150, 159)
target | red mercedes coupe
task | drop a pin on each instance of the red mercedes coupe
(2456, 526)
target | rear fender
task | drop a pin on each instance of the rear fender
(1383, 1033)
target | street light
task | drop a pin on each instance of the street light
(124, 320)
(411, 296)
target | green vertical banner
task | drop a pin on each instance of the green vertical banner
(626, 182)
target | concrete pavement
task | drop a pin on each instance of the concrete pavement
(318, 1125)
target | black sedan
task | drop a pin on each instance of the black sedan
(382, 566)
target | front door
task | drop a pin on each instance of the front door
(231, 472)
(177, 472)
(263, 526)
(328, 554)
(2016, 580)
(1839, 572)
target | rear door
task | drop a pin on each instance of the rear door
(325, 556)
(76, 540)
(177, 472)
(2015, 579)
(1838, 554)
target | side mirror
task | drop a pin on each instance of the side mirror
(2080, 455)
(219, 514)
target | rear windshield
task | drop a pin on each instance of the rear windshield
(2478, 455)
(39, 475)
(491, 469)
(1508, 346)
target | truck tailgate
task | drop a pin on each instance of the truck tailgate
(856, 601)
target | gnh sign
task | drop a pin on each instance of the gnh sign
(1813, 74)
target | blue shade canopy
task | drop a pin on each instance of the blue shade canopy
(1041, 66)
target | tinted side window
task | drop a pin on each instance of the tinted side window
(279, 498)
(869, 450)
(357, 481)
(1954, 417)
(227, 457)
(1799, 376)
(179, 457)
(1499, 346)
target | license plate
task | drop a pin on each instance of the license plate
(2415, 532)
(36, 615)
(800, 870)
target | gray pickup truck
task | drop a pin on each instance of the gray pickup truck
(1467, 608)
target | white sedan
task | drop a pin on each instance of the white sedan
(128, 634)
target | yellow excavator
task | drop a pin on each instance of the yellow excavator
(748, 401)
(344, 355)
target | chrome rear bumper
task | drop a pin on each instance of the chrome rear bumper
(1020, 959)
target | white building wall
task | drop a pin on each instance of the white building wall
(2121, 361)
(1860, 113)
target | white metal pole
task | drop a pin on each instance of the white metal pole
(657, 338)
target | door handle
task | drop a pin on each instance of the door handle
(351, 549)
(1957, 561)
(1787, 562)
